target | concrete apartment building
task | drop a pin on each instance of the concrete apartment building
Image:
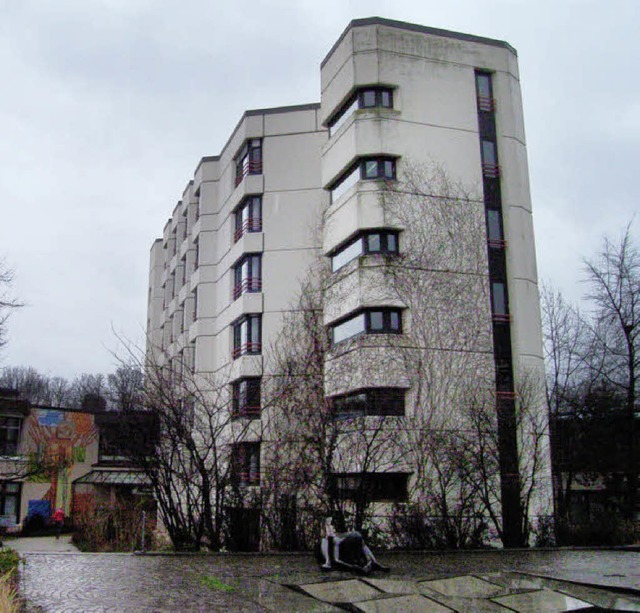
(296, 183)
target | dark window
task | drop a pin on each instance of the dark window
(378, 168)
(375, 487)
(490, 166)
(367, 402)
(247, 335)
(196, 258)
(502, 343)
(484, 92)
(194, 313)
(183, 272)
(499, 301)
(378, 241)
(365, 169)
(9, 435)
(368, 321)
(494, 228)
(248, 217)
(247, 275)
(245, 463)
(363, 98)
(249, 160)
(372, 97)
(246, 397)
(10, 500)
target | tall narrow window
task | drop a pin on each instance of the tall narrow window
(194, 312)
(245, 463)
(10, 500)
(248, 217)
(494, 228)
(246, 397)
(196, 257)
(499, 301)
(247, 336)
(484, 91)
(9, 435)
(490, 166)
(247, 275)
(249, 160)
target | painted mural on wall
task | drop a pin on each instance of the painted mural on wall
(58, 442)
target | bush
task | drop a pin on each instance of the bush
(113, 529)
(603, 529)
(544, 532)
(412, 527)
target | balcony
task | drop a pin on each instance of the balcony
(253, 167)
(486, 104)
(490, 171)
(247, 349)
(249, 285)
(252, 224)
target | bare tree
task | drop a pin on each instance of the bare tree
(441, 275)
(614, 289)
(188, 456)
(32, 385)
(125, 388)
(8, 304)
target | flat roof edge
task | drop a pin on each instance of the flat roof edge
(414, 27)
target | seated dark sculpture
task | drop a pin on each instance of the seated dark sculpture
(347, 551)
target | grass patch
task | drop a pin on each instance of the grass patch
(9, 561)
(214, 583)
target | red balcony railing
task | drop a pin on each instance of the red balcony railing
(497, 244)
(248, 410)
(249, 478)
(505, 396)
(251, 224)
(486, 104)
(253, 167)
(248, 285)
(501, 318)
(492, 171)
(247, 348)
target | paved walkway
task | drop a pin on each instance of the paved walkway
(496, 581)
(42, 544)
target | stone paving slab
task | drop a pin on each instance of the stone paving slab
(542, 601)
(350, 591)
(393, 586)
(414, 603)
(601, 598)
(465, 587)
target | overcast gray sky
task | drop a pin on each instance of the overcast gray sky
(108, 105)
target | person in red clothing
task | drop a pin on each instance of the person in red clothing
(58, 520)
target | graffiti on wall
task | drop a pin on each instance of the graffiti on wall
(57, 441)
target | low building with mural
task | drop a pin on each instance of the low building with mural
(58, 458)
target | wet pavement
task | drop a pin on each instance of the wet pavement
(528, 581)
